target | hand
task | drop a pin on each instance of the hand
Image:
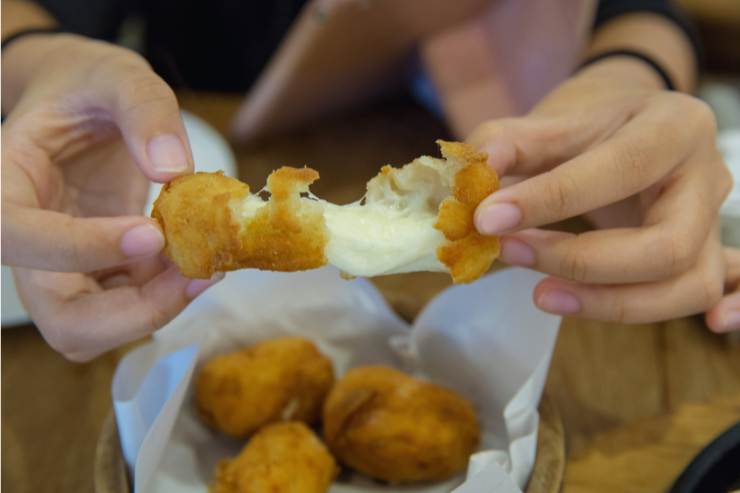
(88, 132)
(725, 315)
(642, 164)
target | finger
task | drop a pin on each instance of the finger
(725, 315)
(49, 240)
(622, 166)
(732, 266)
(147, 114)
(679, 223)
(687, 294)
(87, 324)
(527, 145)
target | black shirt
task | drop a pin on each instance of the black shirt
(223, 45)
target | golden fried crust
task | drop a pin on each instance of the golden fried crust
(279, 379)
(280, 458)
(287, 234)
(468, 254)
(207, 231)
(393, 427)
(201, 236)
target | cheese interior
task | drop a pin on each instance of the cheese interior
(391, 230)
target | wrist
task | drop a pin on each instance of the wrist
(625, 72)
(25, 58)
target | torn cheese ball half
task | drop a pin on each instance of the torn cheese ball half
(415, 218)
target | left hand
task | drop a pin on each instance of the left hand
(641, 163)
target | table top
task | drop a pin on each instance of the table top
(637, 401)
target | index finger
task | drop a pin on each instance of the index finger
(636, 157)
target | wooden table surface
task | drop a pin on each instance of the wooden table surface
(637, 401)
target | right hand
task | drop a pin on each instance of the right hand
(90, 127)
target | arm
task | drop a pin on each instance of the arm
(651, 34)
(19, 60)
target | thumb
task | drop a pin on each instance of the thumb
(146, 112)
(48, 240)
(527, 145)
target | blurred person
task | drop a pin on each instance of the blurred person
(89, 124)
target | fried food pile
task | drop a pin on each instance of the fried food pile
(376, 420)
(415, 218)
(275, 380)
(280, 458)
(390, 426)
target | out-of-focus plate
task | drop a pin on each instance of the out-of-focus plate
(211, 152)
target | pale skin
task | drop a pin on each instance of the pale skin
(641, 163)
(89, 125)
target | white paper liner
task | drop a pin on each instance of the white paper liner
(486, 340)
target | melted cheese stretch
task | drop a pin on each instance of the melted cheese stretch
(372, 239)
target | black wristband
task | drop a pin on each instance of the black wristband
(612, 9)
(657, 67)
(28, 32)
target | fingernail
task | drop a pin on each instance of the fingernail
(197, 286)
(731, 321)
(516, 252)
(167, 154)
(559, 301)
(498, 218)
(142, 241)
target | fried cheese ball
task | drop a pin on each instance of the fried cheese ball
(415, 218)
(391, 426)
(280, 458)
(279, 379)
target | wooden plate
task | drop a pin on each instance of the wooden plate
(110, 472)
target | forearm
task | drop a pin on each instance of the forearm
(651, 34)
(21, 58)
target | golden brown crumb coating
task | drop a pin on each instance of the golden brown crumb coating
(201, 235)
(278, 379)
(280, 458)
(204, 235)
(212, 223)
(468, 254)
(391, 426)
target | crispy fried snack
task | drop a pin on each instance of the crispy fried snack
(390, 426)
(415, 218)
(280, 458)
(278, 379)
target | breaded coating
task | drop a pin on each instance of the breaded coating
(391, 426)
(278, 379)
(200, 217)
(280, 458)
(413, 218)
(201, 235)
(468, 254)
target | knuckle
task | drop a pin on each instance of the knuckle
(617, 311)
(59, 339)
(699, 115)
(711, 288)
(702, 115)
(725, 181)
(157, 318)
(678, 251)
(573, 265)
(631, 165)
(144, 93)
(560, 195)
